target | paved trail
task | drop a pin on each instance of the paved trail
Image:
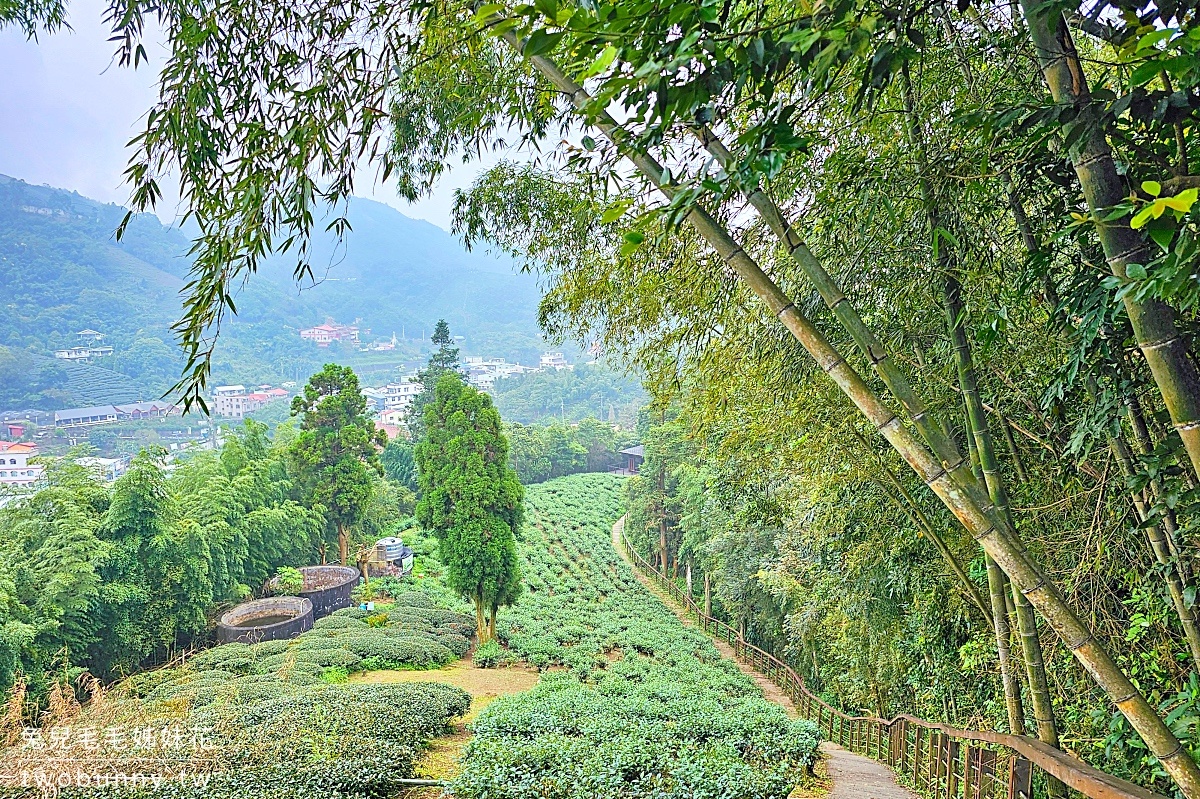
(853, 776)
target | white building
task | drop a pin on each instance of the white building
(83, 354)
(484, 372)
(108, 469)
(230, 402)
(553, 360)
(396, 396)
(393, 418)
(15, 469)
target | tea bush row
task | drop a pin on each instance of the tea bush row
(284, 737)
(646, 706)
(410, 636)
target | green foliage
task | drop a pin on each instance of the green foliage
(335, 449)
(288, 580)
(540, 453)
(489, 655)
(648, 708)
(110, 579)
(442, 360)
(293, 734)
(470, 498)
(573, 395)
(399, 464)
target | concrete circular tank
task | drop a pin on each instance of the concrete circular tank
(271, 619)
(328, 588)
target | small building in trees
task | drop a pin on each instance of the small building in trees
(15, 468)
(632, 459)
(325, 334)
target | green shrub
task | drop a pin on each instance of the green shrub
(287, 581)
(333, 622)
(334, 674)
(489, 655)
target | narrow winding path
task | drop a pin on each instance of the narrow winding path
(852, 776)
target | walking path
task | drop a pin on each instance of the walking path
(853, 776)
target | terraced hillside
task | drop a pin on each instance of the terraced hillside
(633, 703)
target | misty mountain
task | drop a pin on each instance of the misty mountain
(62, 270)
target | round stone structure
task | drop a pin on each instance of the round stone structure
(328, 588)
(271, 619)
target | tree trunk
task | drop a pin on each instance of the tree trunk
(343, 545)
(997, 589)
(1154, 323)
(960, 493)
(1018, 464)
(1031, 645)
(664, 561)
(983, 451)
(688, 577)
(707, 595)
(481, 625)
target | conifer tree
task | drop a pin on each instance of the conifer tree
(335, 448)
(470, 498)
(443, 359)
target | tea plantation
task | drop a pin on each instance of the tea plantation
(630, 703)
(634, 704)
(278, 719)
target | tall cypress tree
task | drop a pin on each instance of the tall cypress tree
(471, 498)
(335, 448)
(444, 359)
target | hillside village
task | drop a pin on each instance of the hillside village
(27, 434)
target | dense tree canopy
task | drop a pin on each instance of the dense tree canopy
(335, 452)
(470, 498)
(111, 579)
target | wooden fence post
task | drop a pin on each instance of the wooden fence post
(968, 765)
(918, 734)
(1020, 778)
(952, 770)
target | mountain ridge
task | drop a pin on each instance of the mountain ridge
(63, 270)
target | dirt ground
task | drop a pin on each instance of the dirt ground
(440, 762)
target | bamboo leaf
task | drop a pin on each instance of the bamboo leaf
(485, 12)
(540, 42)
(1143, 216)
(602, 61)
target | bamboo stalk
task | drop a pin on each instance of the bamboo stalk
(980, 434)
(1031, 647)
(1154, 322)
(911, 509)
(939, 476)
(997, 590)
(1162, 554)
(1018, 464)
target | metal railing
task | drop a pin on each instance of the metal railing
(938, 760)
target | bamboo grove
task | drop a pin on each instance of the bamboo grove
(929, 268)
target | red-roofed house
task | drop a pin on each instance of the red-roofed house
(324, 335)
(15, 469)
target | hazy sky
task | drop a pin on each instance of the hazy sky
(66, 112)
